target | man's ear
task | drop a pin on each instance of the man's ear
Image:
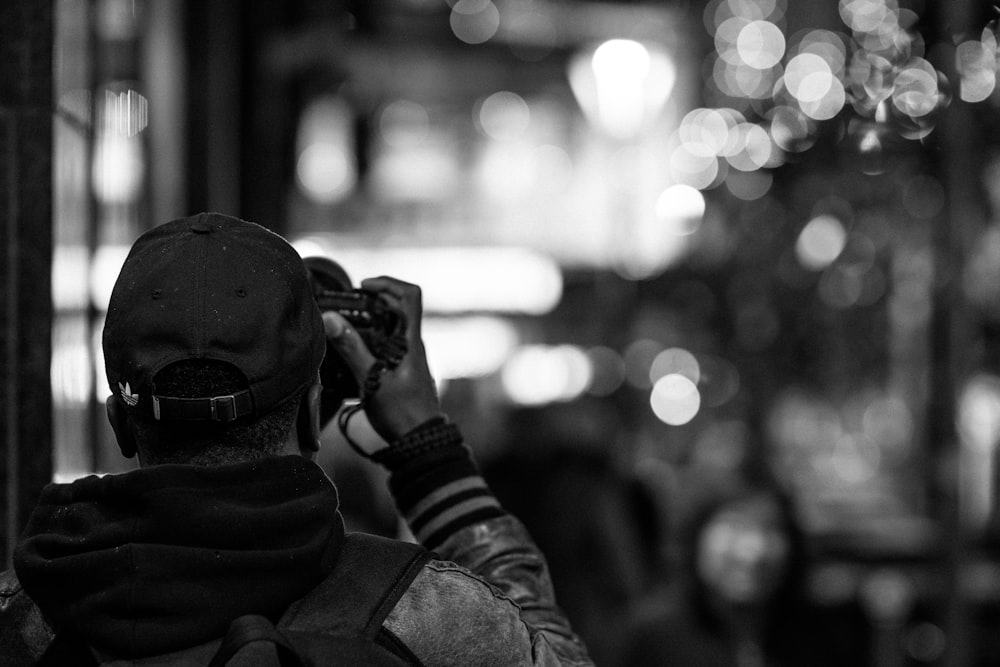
(122, 426)
(309, 421)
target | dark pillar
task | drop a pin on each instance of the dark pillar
(26, 32)
(955, 336)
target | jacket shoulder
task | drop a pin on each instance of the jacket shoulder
(24, 634)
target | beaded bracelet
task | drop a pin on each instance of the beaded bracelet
(432, 434)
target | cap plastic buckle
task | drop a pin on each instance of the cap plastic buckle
(224, 408)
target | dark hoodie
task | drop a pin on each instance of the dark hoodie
(161, 558)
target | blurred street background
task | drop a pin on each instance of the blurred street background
(667, 247)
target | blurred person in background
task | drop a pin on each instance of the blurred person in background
(737, 595)
(213, 348)
(597, 524)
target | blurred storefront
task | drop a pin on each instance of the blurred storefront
(761, 236)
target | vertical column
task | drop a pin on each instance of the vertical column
(956, 335)
(26, 43)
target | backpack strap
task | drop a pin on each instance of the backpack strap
(249, 629)
(370, 577)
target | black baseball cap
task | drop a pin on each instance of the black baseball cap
(214, 287)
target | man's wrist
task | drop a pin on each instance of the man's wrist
(434, 433)
(436, 484)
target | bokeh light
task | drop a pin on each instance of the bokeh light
(790, 84)
(622, 84)
(119, 162)
(325, 169)
(675, 360)
(403, 123)
(976, 64)
(504, 116)
(474, 21)
(675, 399)
(820, 242)
(467, 347)
(540, 374)
(760, 44)
(681, 208)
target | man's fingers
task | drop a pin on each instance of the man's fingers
(348, 343)
(404, 296)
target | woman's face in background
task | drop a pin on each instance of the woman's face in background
(743, 551)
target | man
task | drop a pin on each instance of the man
(213, 345)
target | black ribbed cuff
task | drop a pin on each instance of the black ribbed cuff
(435, 482)
(433, 434)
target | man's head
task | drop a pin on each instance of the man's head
(212, 340)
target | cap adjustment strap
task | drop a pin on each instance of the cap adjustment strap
(227, 408)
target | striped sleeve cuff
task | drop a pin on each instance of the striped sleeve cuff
(438, 489)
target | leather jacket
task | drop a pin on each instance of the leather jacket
(485, 599)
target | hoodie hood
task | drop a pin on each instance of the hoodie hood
(163, 558)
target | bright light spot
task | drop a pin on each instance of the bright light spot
(808, 77)
(761, 44)
(681, 208)
(458, 280)
(474, 21)
(727, 36)
(467, 346)
(620, 66)
(979, 414)
(104, 270)
(539, 374)
(325, 172)
(742, 80)
(308, 247)
(979, 425)
(325, 168)
(650, 250)
(675, 399)
(69, 270)
(698, 171)
(608, 371)
(403, 124)
(675, 360)
(865, 15)
(820, 242)
(70, 373)
(504, 116)
(976, 64)
(119, 168)
(916, 90)
(827, 45)
(755, 145)
(421, 173)
(829, 105)
(705, 132)
(125, 114)
(623, 86)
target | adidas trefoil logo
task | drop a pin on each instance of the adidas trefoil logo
(127, 395)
